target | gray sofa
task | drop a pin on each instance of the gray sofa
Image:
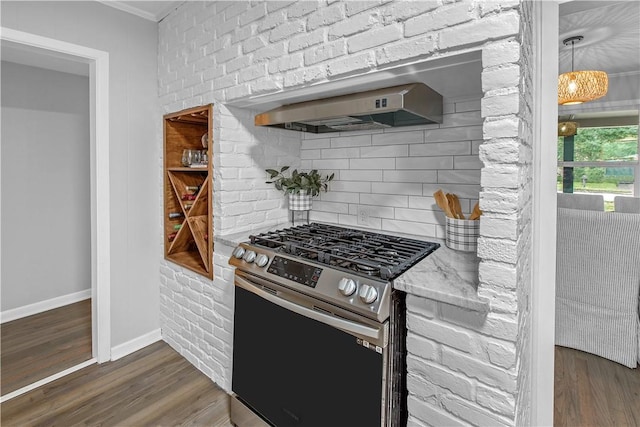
(598, 283)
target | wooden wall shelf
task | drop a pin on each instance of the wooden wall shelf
(188, 207)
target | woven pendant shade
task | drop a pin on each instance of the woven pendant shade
(567, 128)
(576, 87)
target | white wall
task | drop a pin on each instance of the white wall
(45, 185)
(135, 144)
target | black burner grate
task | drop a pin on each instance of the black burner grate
(361, 252)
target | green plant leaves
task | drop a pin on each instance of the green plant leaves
(310, 182)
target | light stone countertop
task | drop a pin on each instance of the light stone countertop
(446, 275)
(234, 239)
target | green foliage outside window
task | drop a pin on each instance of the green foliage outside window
(602, 145)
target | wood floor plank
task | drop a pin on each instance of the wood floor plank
(35, 347)
(154, 386)
(84, 387)
(593, 391)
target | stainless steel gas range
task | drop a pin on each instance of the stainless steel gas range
(319, 332)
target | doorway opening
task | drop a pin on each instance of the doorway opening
(98, 73)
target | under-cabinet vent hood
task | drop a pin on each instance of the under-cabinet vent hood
(404, 105)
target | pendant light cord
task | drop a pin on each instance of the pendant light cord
(572, 44)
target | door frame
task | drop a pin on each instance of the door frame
(543, 290)
(99, 170)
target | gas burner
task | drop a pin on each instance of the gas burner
(387, 252)
(365, 268)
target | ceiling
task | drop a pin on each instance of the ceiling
(611, 31)
(151, 10)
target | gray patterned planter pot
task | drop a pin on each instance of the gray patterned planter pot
(300, 202)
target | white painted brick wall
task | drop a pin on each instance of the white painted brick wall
(464, 368)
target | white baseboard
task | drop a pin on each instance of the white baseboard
(42, 306)
(135, 344)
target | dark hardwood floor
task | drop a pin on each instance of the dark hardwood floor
(154, 386)
(593, 391)
(44, 344)
(157, 386)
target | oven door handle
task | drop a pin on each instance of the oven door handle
(348, 326)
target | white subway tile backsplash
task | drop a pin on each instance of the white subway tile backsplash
(385, 163)
(340, 153)
(468, 118)
(390, 200)
(467, 191)
(467, 162)
(309, 144)
(427, 203)
(351, 186)
(453, 134)
(361, 175)
(416, 215)
(351, 141)
(437, 162)
(310, 154)
(315, 215)
(331, 164)
(412, 189)
(459, 176)
(339, 196)
(404, 137)
(475, 147)
(333, 207)
(410, 176)
(348, 220)
(408, 227)
(441, 148)
(473, 105)
(385, 151)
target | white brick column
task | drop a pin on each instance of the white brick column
(464, 368)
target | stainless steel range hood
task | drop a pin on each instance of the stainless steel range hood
(404, 105)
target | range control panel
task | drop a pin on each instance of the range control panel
(304, 274)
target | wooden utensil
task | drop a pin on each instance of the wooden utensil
(455, 203)
(443, 203)
(451, 205)
(475, 214)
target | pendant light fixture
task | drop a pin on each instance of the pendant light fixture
(577, 87)
(567, 128)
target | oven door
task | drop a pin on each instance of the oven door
(295, 364)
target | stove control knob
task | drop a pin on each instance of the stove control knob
(238, 252)
(249, 256)
(347, 286)
(368, 294)
(262, 260)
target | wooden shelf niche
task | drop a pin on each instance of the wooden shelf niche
(188, 207)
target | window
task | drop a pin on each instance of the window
(600, 160)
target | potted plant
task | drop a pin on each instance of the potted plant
(300, 186)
